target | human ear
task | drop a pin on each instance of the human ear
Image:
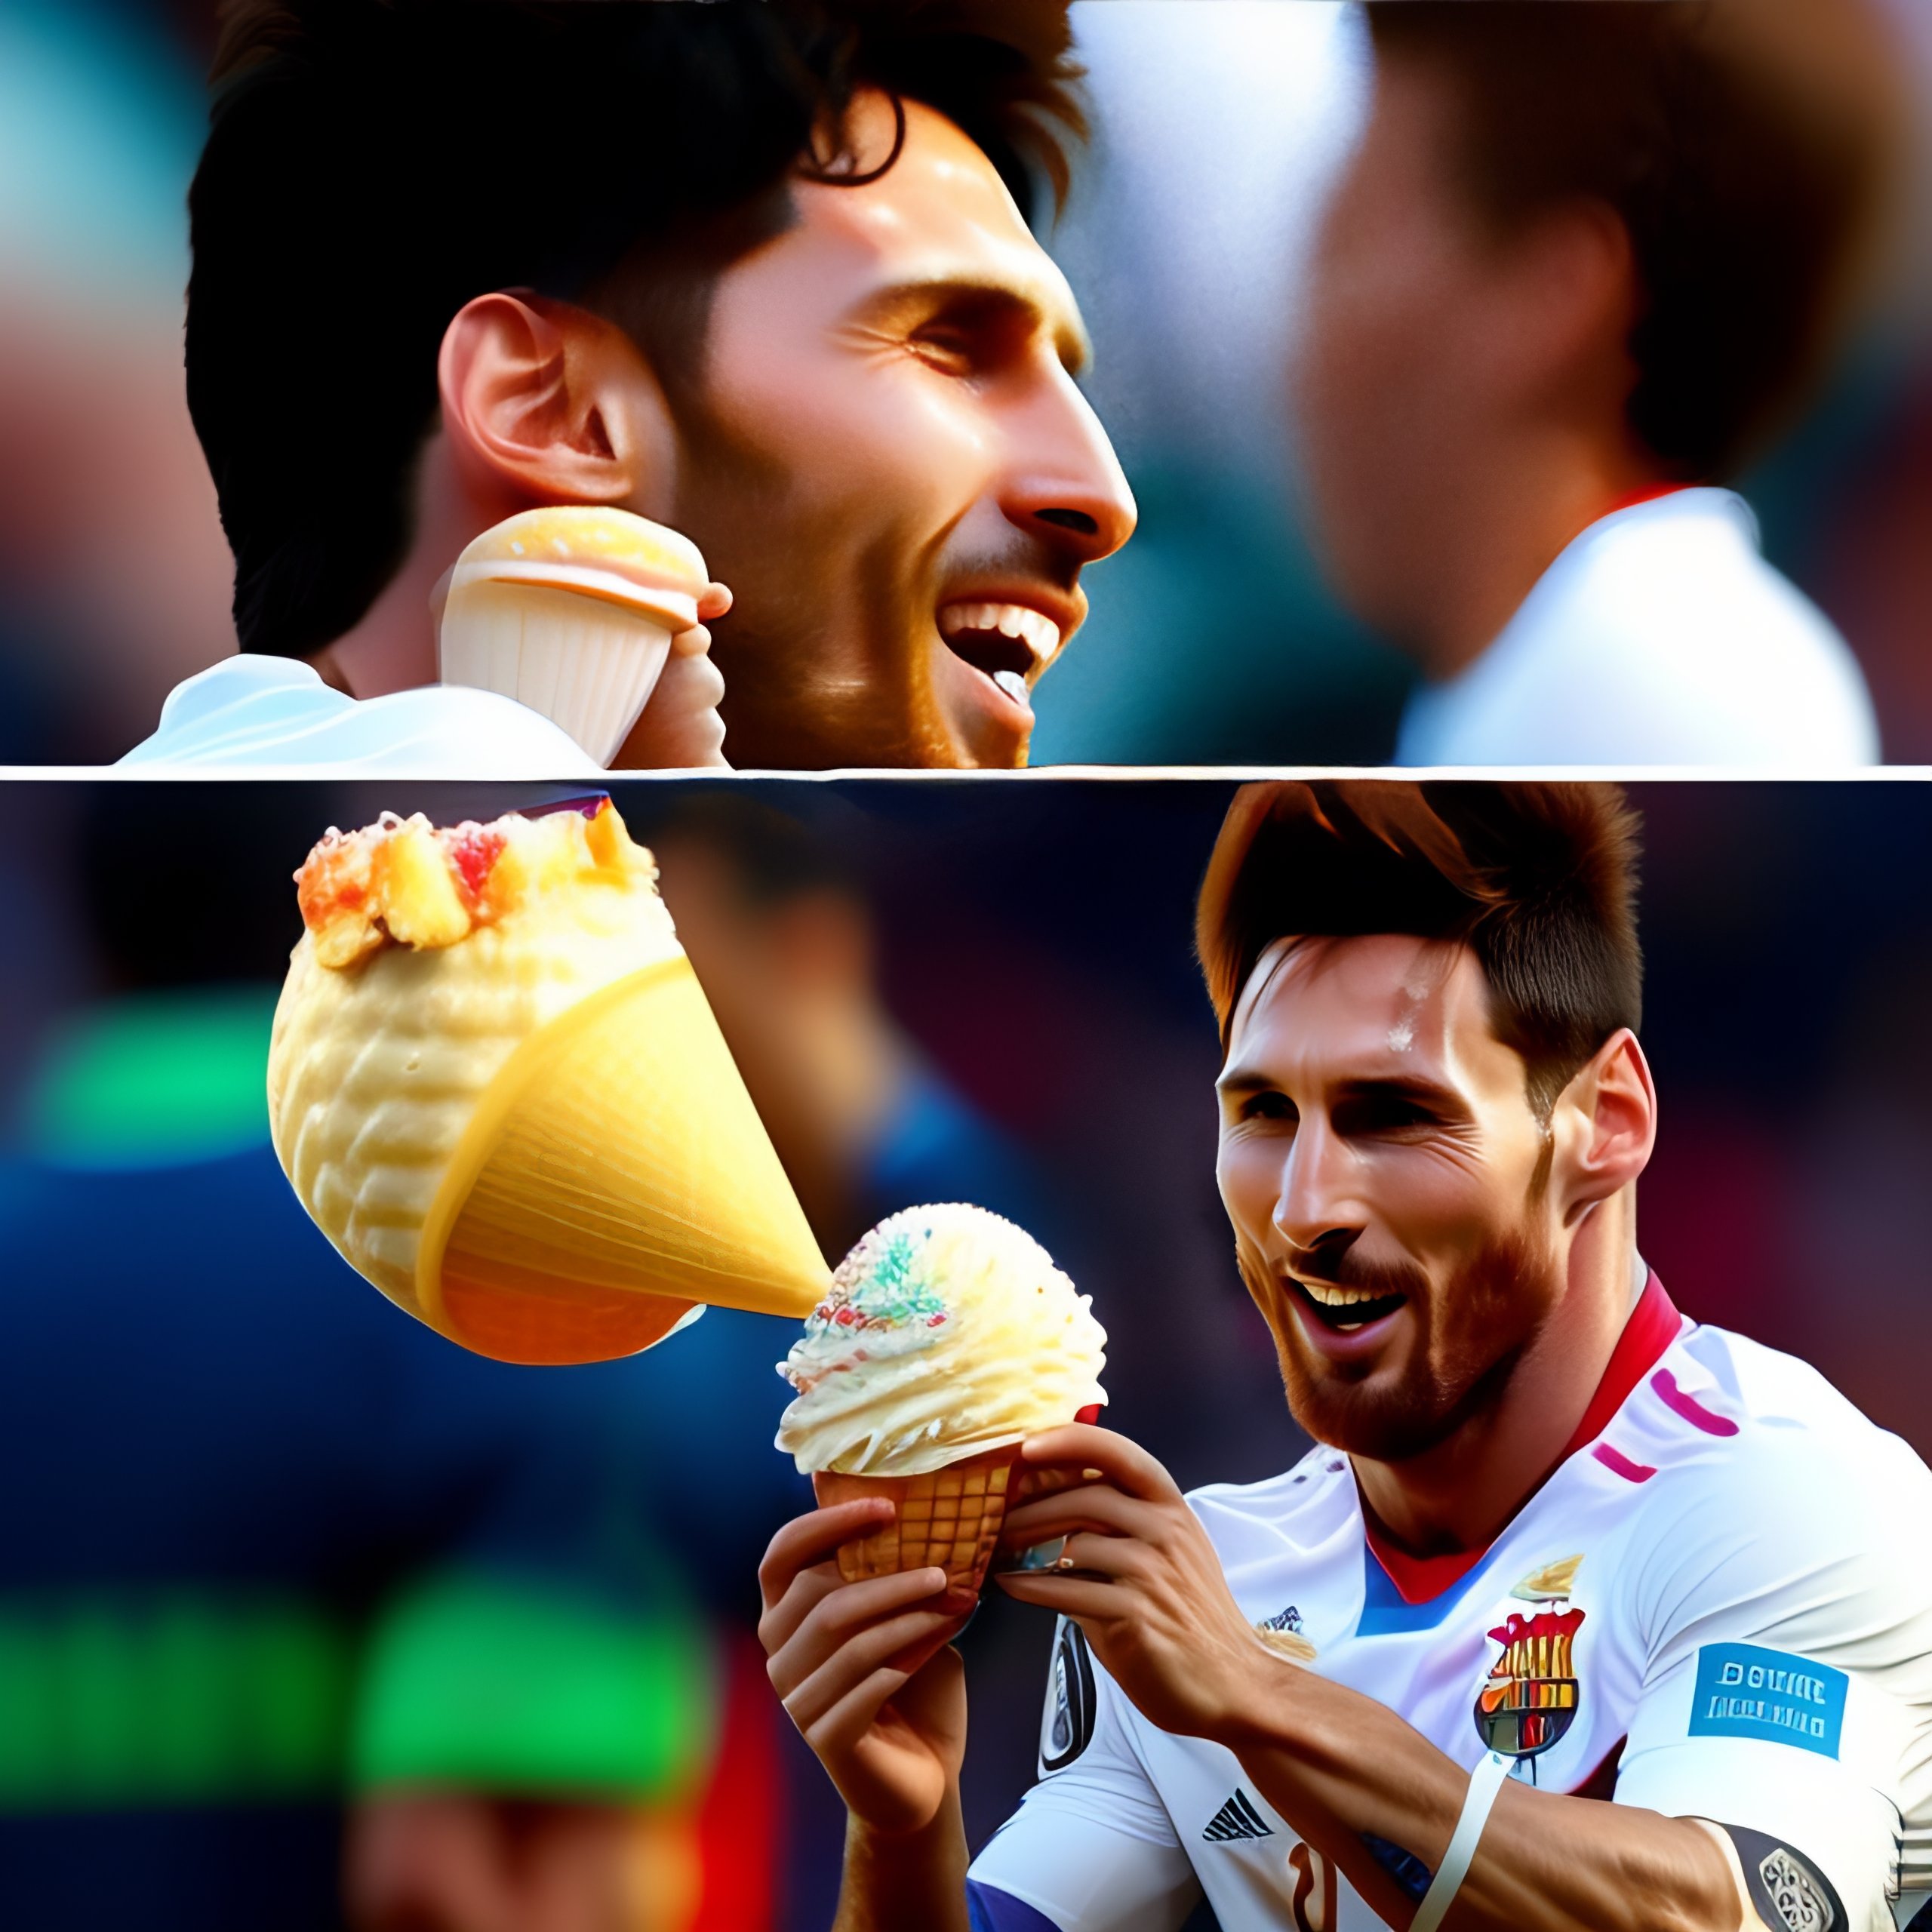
(1571, 292)
(1595, 287)
(1606, 1120)
(544, 402)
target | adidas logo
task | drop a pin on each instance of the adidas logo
(1237, 1818)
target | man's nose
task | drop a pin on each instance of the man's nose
(1064, 486)
(1314, 1206)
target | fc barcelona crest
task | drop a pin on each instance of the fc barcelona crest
(1530, 1701)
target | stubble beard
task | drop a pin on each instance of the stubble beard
(801, 692)
(1493, 1309)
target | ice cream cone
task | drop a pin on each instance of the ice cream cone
(949, 1518)
(614, 1176)
(572, 610)
(948, 1337)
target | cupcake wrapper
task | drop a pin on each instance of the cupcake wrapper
(587, 664)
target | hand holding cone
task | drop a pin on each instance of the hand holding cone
(948, 1337)
(949, 1519)
(573, 611)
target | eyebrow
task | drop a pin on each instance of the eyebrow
(1405, 1086)
(1238, 1083)
(1071, 343)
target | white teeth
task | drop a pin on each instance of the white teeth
(1014, 686)
(1334, 1297)
(1038, 631)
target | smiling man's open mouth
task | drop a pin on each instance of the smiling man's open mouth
(1344, 1310)
(1011, 644)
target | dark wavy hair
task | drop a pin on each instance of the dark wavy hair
(414, 154)
(1538, 881)
(1750, 147)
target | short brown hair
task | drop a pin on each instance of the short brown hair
(1748, 146)
(1538, 880)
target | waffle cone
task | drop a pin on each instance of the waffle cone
(614, 1176)
(949, 1518)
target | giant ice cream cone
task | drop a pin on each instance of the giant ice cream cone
(571, 610)
(948, 1338)
(497, 1087)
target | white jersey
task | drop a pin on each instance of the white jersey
(1660, 636)
(258, 711)
(1720, 1606)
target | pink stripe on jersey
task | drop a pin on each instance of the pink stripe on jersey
(1654, 1323)
(1689, 1408)
(1615, 1460)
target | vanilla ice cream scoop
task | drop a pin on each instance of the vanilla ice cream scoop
(496, 1085)
(949, 1332)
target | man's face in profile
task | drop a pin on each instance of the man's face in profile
(1389, 1185)
(884, 454)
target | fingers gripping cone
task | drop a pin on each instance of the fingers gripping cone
(587, 664)
(947, 1339)
(571, 610)
(614, 1178)
(948, 1519)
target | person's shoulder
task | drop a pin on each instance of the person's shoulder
(1768, 1511)
(1749, 1440)
(1674, 599)
(1303, 1505)
(233, 704)
(1753, 1404)
(1695, 557)
(261, 711)
(1780, 1393)
(436, 728)
(1660, 636)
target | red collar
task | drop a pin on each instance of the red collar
(1649, 492)
(1654, 1323)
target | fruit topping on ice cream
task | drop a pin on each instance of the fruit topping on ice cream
(406, 882)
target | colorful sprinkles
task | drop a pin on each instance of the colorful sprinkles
(881, 1285)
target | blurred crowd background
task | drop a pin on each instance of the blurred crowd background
(541, 1582)
(1218, 130)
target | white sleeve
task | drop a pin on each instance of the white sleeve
(1786, 1692)
(251, 712)
(1091, 1848)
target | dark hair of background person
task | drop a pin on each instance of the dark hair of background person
(372, 165)
(773, 860)
(1538, 880)
(189, 885)
(1750, 147)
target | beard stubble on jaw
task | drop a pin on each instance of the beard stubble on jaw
(821, 668)
(1496, 1304)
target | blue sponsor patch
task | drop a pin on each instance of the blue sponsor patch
(1770, 1696)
